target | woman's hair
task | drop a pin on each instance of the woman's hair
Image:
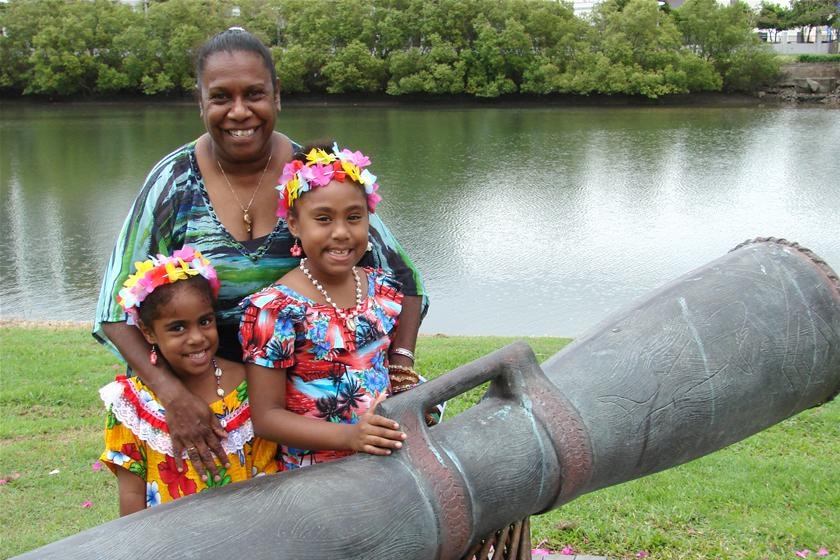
(150, 308)
(233, 40)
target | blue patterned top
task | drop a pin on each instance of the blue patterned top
(173, 210)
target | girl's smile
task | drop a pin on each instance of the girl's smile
(185, 331)
(332, 224)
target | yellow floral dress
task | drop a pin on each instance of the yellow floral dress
(137, 439)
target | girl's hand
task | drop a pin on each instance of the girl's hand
(194, 427)
(376, 434)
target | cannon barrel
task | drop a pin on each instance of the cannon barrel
(709, 359)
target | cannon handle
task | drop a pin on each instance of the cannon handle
(502, 368)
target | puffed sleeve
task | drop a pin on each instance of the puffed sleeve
(122, 448)
(267, 329)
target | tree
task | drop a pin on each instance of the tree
(812, 13)
(723, 35)
(774, 18)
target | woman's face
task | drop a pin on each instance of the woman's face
(239, 105)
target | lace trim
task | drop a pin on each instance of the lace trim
(113, 395)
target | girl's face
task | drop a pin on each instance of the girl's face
(185, 330)
(332, 224)
(239, 105)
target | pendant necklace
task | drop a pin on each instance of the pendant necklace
(348, 318)
(246, 216)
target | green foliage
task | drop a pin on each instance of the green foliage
(483, 48)
(818, 58)
(723, 35)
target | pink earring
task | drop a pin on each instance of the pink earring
(153, 355)
(296, 249)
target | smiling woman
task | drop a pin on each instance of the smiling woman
(211, 194)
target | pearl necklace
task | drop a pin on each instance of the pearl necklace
(348, 318)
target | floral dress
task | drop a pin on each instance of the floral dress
(335, 368)
(137, 439)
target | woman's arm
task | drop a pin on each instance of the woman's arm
(132, 490)
(154, 226)
(373, 434)
(388, 254)
(191, 423)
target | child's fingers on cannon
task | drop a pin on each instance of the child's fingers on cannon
(382, 421)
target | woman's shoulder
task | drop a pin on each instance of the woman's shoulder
(177, 167)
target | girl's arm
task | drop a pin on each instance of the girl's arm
(373, 434)
(132, 491)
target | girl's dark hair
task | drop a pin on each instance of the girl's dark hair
(149, 310)
(233, 40)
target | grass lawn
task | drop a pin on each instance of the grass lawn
(766, 497)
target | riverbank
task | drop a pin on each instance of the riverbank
(766, 497)
(771, 96)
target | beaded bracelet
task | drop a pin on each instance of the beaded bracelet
(402, 378)
(403, 352)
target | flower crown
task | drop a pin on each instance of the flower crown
(319, 169)
(161, 270)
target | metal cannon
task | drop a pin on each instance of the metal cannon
(715, 356)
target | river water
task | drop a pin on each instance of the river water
(524, 221)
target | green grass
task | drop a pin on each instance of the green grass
(765, 497)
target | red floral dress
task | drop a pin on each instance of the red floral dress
(335, 368)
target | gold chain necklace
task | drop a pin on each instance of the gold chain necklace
(246, 217)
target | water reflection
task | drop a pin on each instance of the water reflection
(524, 221)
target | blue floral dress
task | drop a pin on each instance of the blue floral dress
(335, 368)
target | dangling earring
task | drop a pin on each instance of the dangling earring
(153, 355)
(296, 249)
(370, 246)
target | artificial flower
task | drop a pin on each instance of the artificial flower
(96, 466)
(568, 550)
(823, 551)
(87, 504)
(803, 553)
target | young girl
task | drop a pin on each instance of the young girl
(316, 342)
(170, 299)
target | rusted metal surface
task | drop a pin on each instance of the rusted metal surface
(711, 358)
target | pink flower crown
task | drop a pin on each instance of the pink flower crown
(161, 270)
(319, 169)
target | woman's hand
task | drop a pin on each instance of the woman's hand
(376, 434)
(193, 427)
